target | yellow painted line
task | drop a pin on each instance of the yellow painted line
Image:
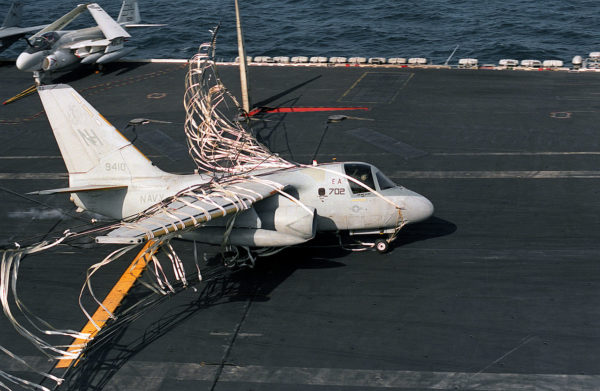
(112, 300)
(341, 98)
(20, 95)
(352, 86)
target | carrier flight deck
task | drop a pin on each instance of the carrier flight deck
(497, 291)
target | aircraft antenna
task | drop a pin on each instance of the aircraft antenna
(451, 55)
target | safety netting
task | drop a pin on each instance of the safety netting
(222, 145)
(215, 123)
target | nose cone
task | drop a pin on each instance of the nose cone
(30, 61)
(417, 208)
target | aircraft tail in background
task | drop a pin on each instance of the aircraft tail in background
(13, 17)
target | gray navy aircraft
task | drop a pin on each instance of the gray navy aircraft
(10, 32)
(108, 175)
(53, 48)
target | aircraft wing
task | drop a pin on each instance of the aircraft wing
(110, 28)
(11, 31)
(63, 21)
(88, 42)
(191, 210)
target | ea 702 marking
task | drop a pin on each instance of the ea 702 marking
(337, 191)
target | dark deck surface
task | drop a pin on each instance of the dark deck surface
(499, 290)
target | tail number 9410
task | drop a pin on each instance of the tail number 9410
(115, 167)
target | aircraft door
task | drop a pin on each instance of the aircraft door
(366, 209)
(332, 200)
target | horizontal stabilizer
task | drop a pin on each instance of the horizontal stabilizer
(77, 189)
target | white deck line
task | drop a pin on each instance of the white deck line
(582, 174)
(448, 154)
(150, 376)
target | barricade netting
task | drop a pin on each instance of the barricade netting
(158, 279)
(221, 148)
(216, 143)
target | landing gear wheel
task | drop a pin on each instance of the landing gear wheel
(381, 245)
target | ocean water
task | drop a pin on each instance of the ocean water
(486, 29)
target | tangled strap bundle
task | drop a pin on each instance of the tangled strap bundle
(220, 147)
(216, 143)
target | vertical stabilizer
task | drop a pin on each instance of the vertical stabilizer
(130, 13)
(13, 18)
(91, 147)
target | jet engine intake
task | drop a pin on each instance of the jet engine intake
(58, 60)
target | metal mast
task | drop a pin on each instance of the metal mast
(243, 65)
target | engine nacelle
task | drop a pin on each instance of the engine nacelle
(284, 226)
(58, 60)
(292, 220)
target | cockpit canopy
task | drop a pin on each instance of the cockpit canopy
(363, 173)
(43, 42)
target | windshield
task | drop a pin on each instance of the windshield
(363, 174)
(43, 42)
(384, 182)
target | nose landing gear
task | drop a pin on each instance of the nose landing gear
(382, 246)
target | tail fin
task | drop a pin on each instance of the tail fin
(130, 13)
(13, 18)
(93, 150)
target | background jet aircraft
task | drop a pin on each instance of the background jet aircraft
(9, 31)
(108, 175)
(54, 48)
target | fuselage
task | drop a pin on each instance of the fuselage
(50, 50)
(339, 204)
